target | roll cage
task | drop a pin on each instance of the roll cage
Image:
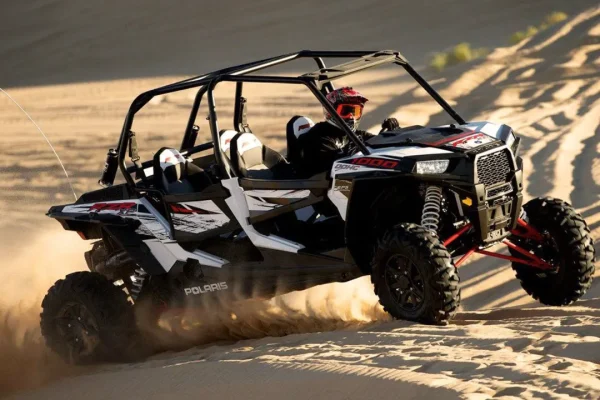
(318, 82)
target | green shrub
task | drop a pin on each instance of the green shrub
(555, 18)
(463, 52)
(460, 53)
(439, 61)
(521, 35)
(549, 20)
(517, 37)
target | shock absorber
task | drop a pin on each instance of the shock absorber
(137, 281)
(430, 218)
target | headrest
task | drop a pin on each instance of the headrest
(246, 152)
(296, 127)
(168, 157)
(171, 163)
(226, 136)
(246, 142)
(299, 125)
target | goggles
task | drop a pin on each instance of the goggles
(349, 110)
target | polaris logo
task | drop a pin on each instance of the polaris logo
(206, 288)
(342, 187)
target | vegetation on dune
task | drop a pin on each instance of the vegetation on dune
(463, 52)
(521, 35)
(551, 19)
(460, 53)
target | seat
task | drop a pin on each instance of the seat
(173, 174)
(226, 135)
(296, 127)
(251, 159)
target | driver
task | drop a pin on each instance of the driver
(326, 141)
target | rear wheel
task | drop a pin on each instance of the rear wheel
(567, 244)
(87, 319)
(414, 276)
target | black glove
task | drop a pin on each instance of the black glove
(389, 124)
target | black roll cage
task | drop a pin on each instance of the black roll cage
(322, 77)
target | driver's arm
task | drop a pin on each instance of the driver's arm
(388, 124)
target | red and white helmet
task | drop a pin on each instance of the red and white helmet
(349, 104)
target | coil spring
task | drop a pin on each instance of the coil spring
(430, 218)
(137, 281)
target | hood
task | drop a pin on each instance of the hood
(460, 138)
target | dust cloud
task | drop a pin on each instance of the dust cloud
(29, 267)
(33, 265)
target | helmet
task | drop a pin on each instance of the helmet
(349, 105)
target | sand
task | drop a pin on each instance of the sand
(63, 41)
(332, 341)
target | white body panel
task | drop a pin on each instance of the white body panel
(239, 207)
(406, 151)
(169, 252)
(157, 225)
(192, 221)
(152, 223)
(256, 202)
(489, 128)
(336, 193)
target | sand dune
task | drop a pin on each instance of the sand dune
(339, 344)
(70, 41)
(524, 353)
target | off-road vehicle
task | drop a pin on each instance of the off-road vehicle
(229, 219)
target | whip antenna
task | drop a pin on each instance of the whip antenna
(45, 137)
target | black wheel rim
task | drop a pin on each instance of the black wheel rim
(405, 283)
(79, 330)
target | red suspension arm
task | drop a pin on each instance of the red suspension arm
(523, 230)
(458, 234)
(528, 232)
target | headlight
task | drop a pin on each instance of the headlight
(432, 166)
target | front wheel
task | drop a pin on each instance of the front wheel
(567, 244)
(414, 275)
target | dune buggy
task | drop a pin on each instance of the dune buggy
(228, 219)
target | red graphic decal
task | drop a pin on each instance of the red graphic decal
(451, 138)
(375, 162)
(467, 139)
(179, 209)
(112, 206)
(305, 126)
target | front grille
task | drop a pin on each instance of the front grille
(499, 191)
(493, 168)
(485, 147)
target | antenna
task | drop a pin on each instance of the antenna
(45, 137)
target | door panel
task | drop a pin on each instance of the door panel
(269, 199)
(196, 216)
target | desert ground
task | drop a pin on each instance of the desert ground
(332, 341)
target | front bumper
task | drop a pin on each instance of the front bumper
(498, 180)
